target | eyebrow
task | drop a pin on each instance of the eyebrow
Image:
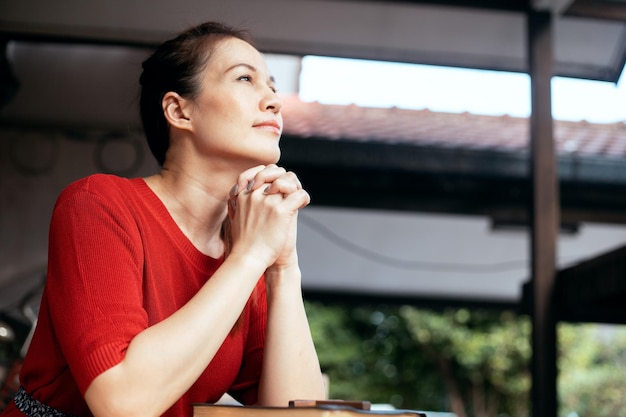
(251, 68)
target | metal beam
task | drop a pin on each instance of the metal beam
(544, 216)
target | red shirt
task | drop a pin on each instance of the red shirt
(118, 264)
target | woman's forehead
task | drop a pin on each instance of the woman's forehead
(234, 51)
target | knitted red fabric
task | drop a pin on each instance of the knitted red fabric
(118, 264)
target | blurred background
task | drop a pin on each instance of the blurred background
(408, 122)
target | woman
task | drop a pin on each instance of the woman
(183, 286)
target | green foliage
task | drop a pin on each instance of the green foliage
(592, 365)
(368, 355)
(483, 357)
(473, 363)
(400, 355)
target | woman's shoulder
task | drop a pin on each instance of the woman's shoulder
(107, 188)
(102, 184)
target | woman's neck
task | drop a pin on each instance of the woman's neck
(197, 206)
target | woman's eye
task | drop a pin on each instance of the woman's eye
(246, 78)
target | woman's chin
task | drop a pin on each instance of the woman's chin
(269, 157)
(259, 155)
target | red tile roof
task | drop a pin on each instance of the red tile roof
(424, 127)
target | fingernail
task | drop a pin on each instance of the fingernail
(233, 191)
(250, 185)
(266, 189)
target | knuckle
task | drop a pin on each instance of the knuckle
(281, 182)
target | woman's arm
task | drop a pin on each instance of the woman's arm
(163, 361)
(291, 368)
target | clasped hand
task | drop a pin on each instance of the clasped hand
(263, 207)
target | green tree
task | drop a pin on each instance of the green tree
(368, 354)
(592, 365)
(482, 357)
(471, 363)
(474, 363)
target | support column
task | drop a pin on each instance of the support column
(544, 215)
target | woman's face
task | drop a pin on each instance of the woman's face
(236, 116)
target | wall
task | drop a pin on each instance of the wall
(34, 167)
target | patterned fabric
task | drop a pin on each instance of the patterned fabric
(33, 408)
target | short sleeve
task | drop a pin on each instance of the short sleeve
(95, 274)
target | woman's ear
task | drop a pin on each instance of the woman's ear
(176, 110)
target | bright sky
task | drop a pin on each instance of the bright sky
(384, 84)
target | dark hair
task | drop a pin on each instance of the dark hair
(175, 66)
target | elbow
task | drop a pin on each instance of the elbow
(121, 407)
(112, 395)
(107, 401)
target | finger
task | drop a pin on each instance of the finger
(299, 199)
(291, 176)
(283, 186)
(244, 179)
(268, 175)
(286, 183)
(232, 207)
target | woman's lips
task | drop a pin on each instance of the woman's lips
(270, 125)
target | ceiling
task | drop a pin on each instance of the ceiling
(590, 35)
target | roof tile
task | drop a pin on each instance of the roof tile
(463, 130)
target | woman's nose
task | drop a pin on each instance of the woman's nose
(271, 101)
